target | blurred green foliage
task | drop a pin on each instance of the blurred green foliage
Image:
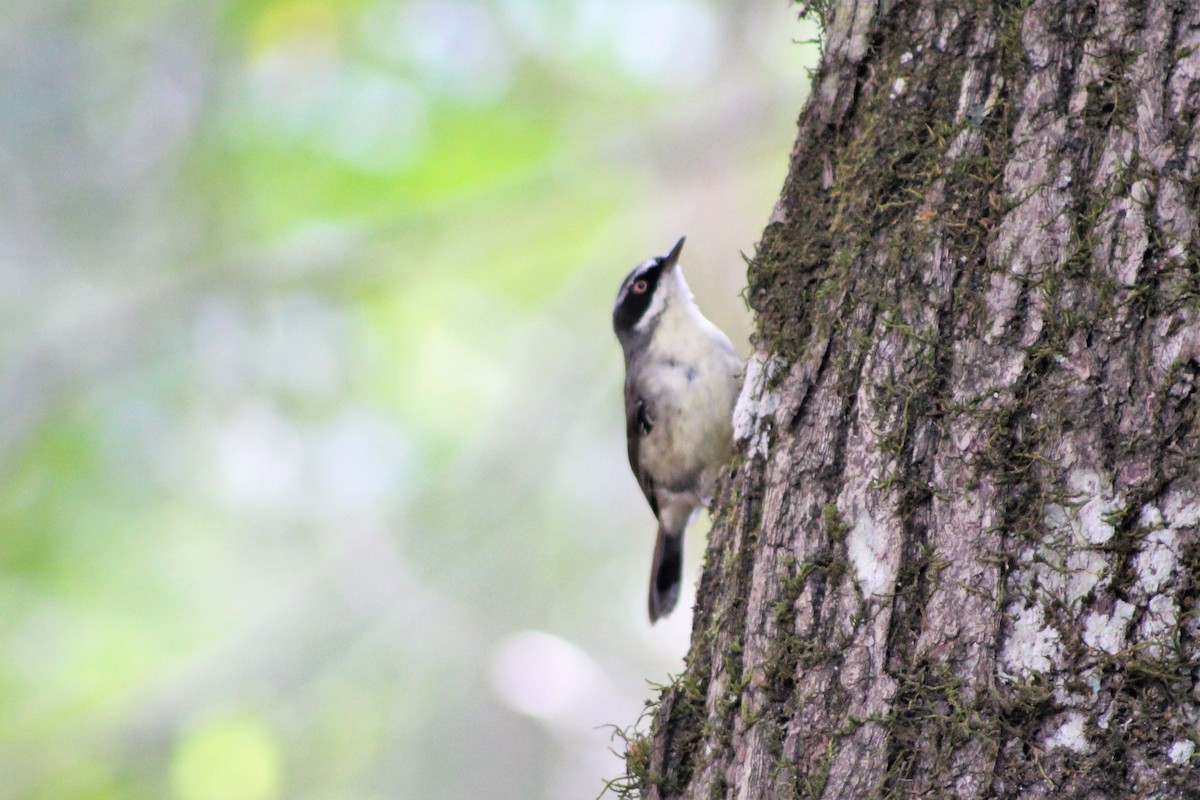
(312, 477)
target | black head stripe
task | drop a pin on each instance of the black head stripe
(631, 305)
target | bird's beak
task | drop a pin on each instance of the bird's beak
(672, 257)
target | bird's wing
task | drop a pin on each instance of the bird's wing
(638, 424)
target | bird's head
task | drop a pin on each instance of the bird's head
(651, 288)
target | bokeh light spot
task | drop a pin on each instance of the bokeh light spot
(312, 20)
(543, 676)
(233, 759)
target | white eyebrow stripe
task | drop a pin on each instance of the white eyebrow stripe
(640, 271)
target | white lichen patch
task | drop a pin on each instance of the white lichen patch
(1093, 515)
(756, 405)
(1073, 565)
(864, 546)
(1070, 734)
(1093, 521)
(1107, 631)
(1181, 510)
(1087, 570)
(1031, 646)
(1157, 626)
(1181, 752)
(1150, 517)
(1069, 568)
(1076, 697)
(1156, 563)
(1057, 518)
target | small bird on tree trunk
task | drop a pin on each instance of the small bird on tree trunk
(681, 381)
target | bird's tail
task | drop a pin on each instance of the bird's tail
(666, 573)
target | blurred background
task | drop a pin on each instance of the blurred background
(312, 461)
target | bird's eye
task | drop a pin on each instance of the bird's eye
(640, 286)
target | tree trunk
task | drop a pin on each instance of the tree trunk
(959, 555)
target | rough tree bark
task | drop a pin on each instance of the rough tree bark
(959, 553)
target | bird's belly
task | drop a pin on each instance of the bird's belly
(692, 434)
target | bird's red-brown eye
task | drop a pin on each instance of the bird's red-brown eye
(640, 287)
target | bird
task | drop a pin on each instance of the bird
(682, 378)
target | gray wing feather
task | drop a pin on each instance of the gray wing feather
(638, 423)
